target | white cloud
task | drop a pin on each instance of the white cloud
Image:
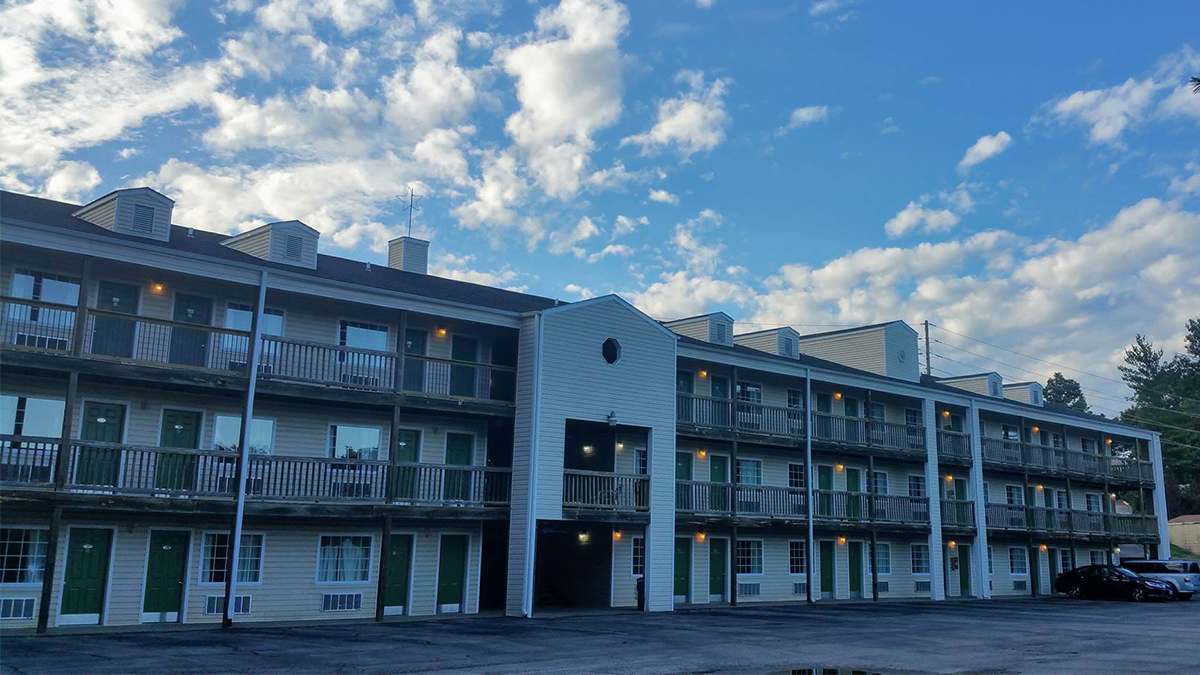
(434, 91)
(315, 122)
(694, 252)
(495, 193)
(804, 116)
(705, 4)
(569, 86)
(889, 126)
(582, 291)
(826, 7)
(987, 147)
(462, 268)
(681, 293)
(1188, 184)
(349, 16)
(440, 153)
(915, 216)
(624, 225)
(692, 122)
(930, 80)
(71, 180)
(620, 250)
(663, 197)
(568, 239)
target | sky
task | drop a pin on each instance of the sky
(1025, 176)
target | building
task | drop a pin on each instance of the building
(416, 445)
(1184, 532)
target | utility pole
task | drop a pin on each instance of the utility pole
(413, 205)
(927, 364)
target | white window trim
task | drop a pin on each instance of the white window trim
(203, 559)
(762, 559)
(1019, 491)
(17, 585)
(1025, 555)
(370, 559)
(383, 440)
(928, 560)
(737, 477)
(871, 563)
(803, 543)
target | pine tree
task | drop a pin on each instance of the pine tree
(1065, 391)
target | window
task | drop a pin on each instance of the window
(920, 559)
(639, 557)
(1060, 500)
(1017, 564)
(1056, 441)
(27, 416)
(991, 565)
(1087, 445)
(42, 327)
(1009, 433)
(1066, 560)
(48, 287)
(749, 472)
(643, 461)
(720, 332)
(344, 558)
(913, 418)
(351, 442)
(879, 482)
(749, 392)
(883, 554)
(749, 556)
(1094, 504)
(876, 411)
(797, 560)
(796, 477)
(824, 403)
(916, 486)
(143, 218)
(215, 558)
(789, 346)
(993, 387)
(1037, 397)
(363, 335)
(1013, 496)
(240, 317)
(22, 555)
(987, 493)
(293, 248)
(795, 398)
(611, 350)
(227, 428)
(1096, 557)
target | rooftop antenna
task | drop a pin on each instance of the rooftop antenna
(927, 364)
(414, 205)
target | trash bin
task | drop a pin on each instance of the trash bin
(641, 593)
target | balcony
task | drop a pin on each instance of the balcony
(48, 328)
(1052, 460)
(707, 414)
(175, 473)
(752, 501)
(958, 513)
(857, 507)
(1068, 521)
(954, 446)
(604, 491)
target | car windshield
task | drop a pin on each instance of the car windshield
(1124, 572)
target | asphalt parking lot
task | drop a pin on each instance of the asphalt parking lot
(1044, 635)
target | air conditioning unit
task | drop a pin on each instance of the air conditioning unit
(341, 602)
(1020, 585)
(799, 588)
(351, 490)
(921, 587)
(41, 341)
(748, 590)
(215, 604)
(367, 381)
(882, 587)
(16, 609)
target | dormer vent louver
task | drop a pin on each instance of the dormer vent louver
(143, 219)
(294, 247)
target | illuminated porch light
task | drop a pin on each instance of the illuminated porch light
(839, 468)
(441, 332)
(1036, 429)
(949, 478)
(837, 395)
(945, 413)
(584, 537)
(701, 536)
(620, 446)
(952, 544)
(616, 535)
(158, 288)
(841, 541)
(702, 453)
(1043, 547)
(588, 450)
(1108, 441)
(703, 374)
(1040, 487)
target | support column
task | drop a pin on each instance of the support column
(522, 522)
(937, 575)
(733, 476)
(1160, 497)
(243, 466)
(872, 488)
(810, 508)
(384, 550)
(976, 482)
(43, 619)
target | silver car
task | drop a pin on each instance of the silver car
(1184, 575)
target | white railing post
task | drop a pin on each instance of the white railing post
(1160, 497)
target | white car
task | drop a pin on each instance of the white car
(1184, 575)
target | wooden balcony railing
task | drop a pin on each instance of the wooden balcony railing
(36, 325)
(958, 513)
(862, 507)
(768, 501)
(605, 491)
(870, 433)
(1060, 521)
(322, 363)
(1131, 524)
(1006, 516)
(139, 339)
(954, 445)
(1063, 460)
(1048, 520)
(122, 469)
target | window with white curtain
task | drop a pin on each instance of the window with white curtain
(22, 555)
(344, 558)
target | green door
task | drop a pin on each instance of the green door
(827, 576)
(165, 566)
(414, 369)
(462, 377)
(854, 500)
(1053, 567)
(964, 570)
(459, 449)
(716, 569)
(180, 429)
(683, 472)
(718, 473)
(960, 489)
(683, 568)
(112, 335)
(856, 569)
(408, 444)
(452, 573)
(825, 485)
(86, 573)
(399, 569)
(683, 466)
(99, 464)
(189, 346)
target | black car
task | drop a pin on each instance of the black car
(1108, 582)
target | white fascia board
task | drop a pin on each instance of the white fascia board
(194, 264)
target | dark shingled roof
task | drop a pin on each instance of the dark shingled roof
(852, 329)
(14, 206)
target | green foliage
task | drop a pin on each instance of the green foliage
(1166, 398)
(1065, 391)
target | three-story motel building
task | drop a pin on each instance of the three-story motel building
(370, 440)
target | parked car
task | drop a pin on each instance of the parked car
(1111, 582)
(1183, 575)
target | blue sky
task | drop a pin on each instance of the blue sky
(1025, 174)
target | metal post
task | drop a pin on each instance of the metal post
(933, 494)
(733, 452)
(871, 516)
(243, 467)
(927, 364)
(43, 620)
(808, 485)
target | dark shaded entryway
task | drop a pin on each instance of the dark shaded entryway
(574, 566)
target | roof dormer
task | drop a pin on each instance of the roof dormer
(716, 327)
(141, 212)
(290, 242)
(782, 341)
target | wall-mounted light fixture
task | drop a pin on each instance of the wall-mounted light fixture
(1043, 548)
(701, 536)
(837, 395)
(949, 478)
(952, 544)
(839, 468)
(1112, 495)
(584, 537)
(620, 446)
(945, 413)
(158, 288)
(589, 450)
(611, 418)
(616, 535)
(441, 332)
(841, 541)
(1040, 487)
(1108, 441)
(1036, 429)
(702, 453)
(703, 374)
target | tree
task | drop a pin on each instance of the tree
(1166, 399)
(1065, 391)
